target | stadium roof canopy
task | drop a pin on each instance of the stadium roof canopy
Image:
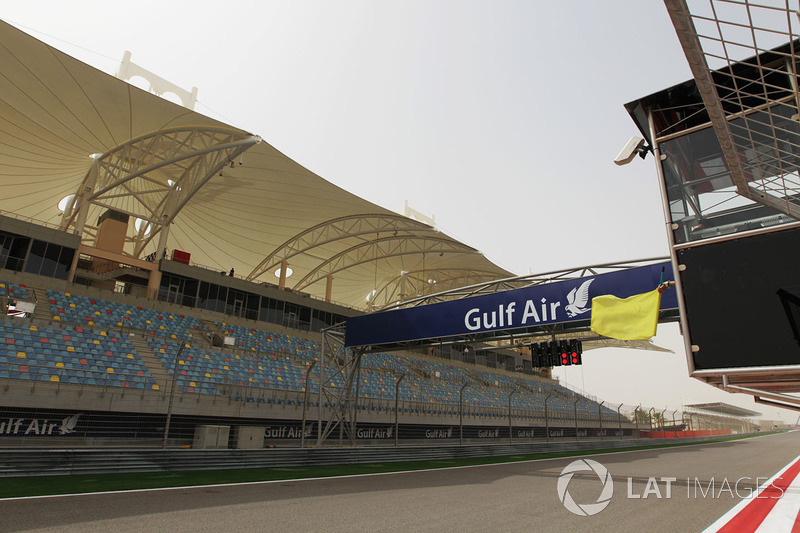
(201, 186)
(722, 408)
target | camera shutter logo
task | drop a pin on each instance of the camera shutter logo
(586, 509)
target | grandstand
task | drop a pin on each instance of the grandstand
(161, 272)
(84, 347)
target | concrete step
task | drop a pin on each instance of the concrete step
(152, 362)
(42, 311)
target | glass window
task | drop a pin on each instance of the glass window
(321, 320)
(242, 304)
(190, 292)
(202, 295)
(50, 260)
(291, 315)
(212, 297)
(304, 316)
(221, 298)
(702, 197)
(271, 310)
(17, 253)
(5, 248)
(64, 263)
(35, 257)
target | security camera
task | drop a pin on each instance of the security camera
(633, 147)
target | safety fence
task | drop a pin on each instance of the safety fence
(656, 422)
(74, 417)
(21, 462)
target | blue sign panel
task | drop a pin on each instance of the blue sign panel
(550, 303)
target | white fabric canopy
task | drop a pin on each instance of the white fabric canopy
(56, 111)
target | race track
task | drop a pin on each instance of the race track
(709, 480)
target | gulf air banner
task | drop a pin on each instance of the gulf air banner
(518, 309)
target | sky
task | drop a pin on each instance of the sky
(499, 118)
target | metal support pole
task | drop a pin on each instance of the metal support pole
(663, 427)
(547, 417)
(172, 395)
(354, 428)
(575, 407)
(510, 427)
(305, 404)
(619, 416)
(636, 420)
(665, 206)
(650, 417)
(321, 379)
(600, 418)
(461, 414)
(396, 409)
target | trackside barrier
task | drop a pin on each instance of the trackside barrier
(33, 462)
(685, 434)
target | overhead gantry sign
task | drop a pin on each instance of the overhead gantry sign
(523, 310)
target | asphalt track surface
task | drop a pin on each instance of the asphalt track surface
(709, 480)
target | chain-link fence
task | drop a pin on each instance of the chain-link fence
(670, 423)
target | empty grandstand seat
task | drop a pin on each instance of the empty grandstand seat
(105, 357)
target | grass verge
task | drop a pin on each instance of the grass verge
(11, 487)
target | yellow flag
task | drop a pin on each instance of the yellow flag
(626, 319)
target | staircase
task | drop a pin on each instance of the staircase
(212, 333)
(42, 311)
(418, 372)
(152, 362)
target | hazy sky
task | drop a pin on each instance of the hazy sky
(500, 118)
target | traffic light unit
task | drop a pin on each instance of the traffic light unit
(557, 353)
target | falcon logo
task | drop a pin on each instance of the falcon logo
(577, 299)
(68, 424)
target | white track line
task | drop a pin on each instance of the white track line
(783, 515)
